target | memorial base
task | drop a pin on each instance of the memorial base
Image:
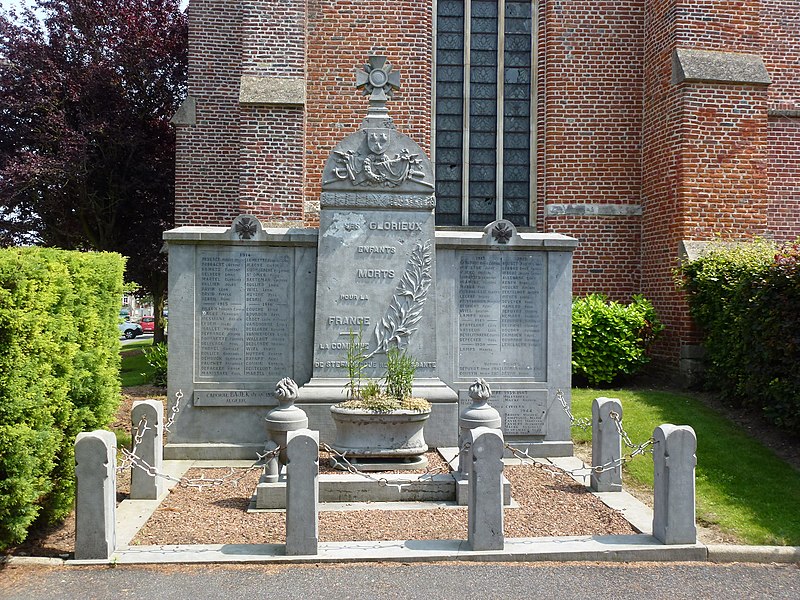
(462, 490)
(541, 449)
(212, 451)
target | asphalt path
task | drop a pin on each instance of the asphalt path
(424, 581)
(138, 338)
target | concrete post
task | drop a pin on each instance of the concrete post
(150, 449)
(674, 461)
(302, 492)
(477, 414)
(485, 506)
(606, 445)
(96, 495)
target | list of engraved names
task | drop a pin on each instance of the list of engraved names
(501, 315)
(243, 312)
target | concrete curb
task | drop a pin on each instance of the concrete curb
(721, 553)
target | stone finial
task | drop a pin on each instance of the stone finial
(285, 417)
(378, 79)
(479, 413)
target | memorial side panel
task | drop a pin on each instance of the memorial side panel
(243, 312)
(501, 302)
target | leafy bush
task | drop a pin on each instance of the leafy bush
(156, 357)
(610, 339)
(59, 375)
(746, 300)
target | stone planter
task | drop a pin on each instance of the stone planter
(394, 438)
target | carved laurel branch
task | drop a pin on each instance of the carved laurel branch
(405, 309)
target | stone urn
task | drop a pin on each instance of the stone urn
(381, 440)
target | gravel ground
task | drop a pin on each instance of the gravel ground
(548, 506)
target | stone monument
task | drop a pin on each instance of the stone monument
(376, 267)
(251, 305)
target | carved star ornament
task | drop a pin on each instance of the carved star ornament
(377, 79)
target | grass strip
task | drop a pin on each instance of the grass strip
(135, 370)
(742, 486)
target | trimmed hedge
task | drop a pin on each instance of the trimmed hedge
(746, 300)
(59, 375)
(609, 339)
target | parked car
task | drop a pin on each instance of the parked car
(130, 330)
(148, 324)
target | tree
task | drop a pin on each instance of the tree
(86, 148)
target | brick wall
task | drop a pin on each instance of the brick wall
(784, 178)
(590, 119)
(341, 35)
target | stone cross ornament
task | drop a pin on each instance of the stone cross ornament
(377, 79)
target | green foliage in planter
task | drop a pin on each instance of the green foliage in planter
(746, 300)
(398, 379)
(156, 357)
(59, 375)
(383, 403)
(610, 339)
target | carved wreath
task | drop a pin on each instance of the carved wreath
(405, 309)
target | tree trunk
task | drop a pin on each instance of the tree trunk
(159, 291)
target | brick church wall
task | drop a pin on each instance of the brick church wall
(590, 120)
(628, 161)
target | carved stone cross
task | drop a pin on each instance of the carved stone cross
(377, 79)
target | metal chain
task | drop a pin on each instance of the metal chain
(583, 471)
(199, 482)
(340, 460)
(174, 411)
(582, 423)
(138, 434)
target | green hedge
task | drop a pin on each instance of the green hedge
(59, 375)
(746, 299)
(610, 339)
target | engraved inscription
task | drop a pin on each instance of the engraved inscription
(522, 411)
(243, 308)
(234, 398)
(501, 315)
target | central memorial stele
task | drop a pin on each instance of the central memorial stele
(376, 258)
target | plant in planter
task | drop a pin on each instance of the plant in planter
(381, 423)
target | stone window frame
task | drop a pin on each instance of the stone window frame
(532, 194)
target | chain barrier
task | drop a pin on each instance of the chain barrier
(174, 410)
(581, 471)
(138, 434)
(339, 460)
(582, 423)
(230, 478)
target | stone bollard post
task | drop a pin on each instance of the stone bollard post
(674, 461)
(96, 495)
(150, 449)
(302, 492)
(485, 506)
(606, 445)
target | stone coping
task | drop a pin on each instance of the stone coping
(300, 236)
